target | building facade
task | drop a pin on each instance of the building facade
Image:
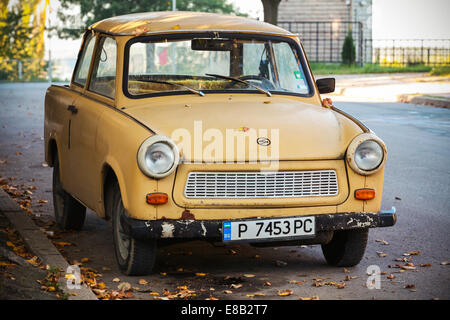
(323, 24)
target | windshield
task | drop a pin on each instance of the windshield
(216, 64)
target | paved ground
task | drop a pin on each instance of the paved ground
(416, 182)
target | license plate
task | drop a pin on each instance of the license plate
(268, 229)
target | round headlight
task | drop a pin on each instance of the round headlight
(158, 157)
(366, 154)
(369, 155)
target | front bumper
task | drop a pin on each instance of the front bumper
(212, 229)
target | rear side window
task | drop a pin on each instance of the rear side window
(103, 79)
(81, 73)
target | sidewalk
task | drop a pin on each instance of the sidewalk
(36, 243)
(399, 87)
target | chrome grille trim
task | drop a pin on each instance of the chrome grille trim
(256, 184)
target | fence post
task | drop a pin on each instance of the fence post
(49, 66)
(317, 41)
(19, 67)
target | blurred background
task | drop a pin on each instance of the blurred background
(40, 39)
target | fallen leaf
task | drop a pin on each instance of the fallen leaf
(200, 274)
(310, 298)
(445, 263)
(267, 283)
(409, 286)
(391, 276)
(116, 280)
(280, 263)
(124, 286)
(42, 201)
(381, 254)
(63, 244)
(143, 282)
(84, 260)
(249, 275)
(5, 264)
(228, 291)
(340, 285)
(236, 286)
(425, 265)
(284, 293)
(412, 253)
(406, 267)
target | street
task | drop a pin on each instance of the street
(417, 183)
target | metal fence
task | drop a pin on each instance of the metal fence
(36, 69)
(406, 52)
(323, 41)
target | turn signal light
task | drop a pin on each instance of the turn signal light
(157, 198)
(365, 194)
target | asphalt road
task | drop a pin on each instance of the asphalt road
(417, 180)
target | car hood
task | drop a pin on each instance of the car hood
(209, 128)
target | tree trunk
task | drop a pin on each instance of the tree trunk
(271, 10)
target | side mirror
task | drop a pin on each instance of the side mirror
(326, 85)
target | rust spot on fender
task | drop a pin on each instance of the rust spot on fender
(187, 215)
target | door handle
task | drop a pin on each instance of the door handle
(72, 109)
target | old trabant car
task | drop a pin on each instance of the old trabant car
(183, 125)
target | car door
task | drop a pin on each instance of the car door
(98, 95)
(75, 90)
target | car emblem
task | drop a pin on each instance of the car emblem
(263, 141)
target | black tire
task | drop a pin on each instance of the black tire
(134, 257)
(69, 213)
(346, 248)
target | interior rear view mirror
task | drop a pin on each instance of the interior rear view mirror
(211, 44)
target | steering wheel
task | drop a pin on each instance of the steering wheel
(266, 84)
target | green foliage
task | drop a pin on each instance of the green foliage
(22, 26)
(92, 11)
(348, 50)
(336, 68)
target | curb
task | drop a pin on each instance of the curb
(40, 245)
(424, 100)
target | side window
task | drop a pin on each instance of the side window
(82, 70)
(103, 79)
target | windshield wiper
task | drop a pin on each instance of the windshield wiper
(241, 81)
(200, 93)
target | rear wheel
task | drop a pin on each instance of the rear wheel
(346, 248)
(133, 257)
(69, 213)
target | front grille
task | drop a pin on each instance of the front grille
(245, 185)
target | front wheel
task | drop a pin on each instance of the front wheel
(133, 257)
(346, 248)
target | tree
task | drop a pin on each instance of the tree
(92, 11)
(271, 10)
(22, 27)
(348, 50)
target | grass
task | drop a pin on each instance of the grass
(336, 68)
(440, 71)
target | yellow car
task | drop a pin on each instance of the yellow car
(184, 125)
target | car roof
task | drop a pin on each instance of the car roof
(182, 21)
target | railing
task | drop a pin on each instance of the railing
(36, 69)
(406, 52)
(323, 41)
